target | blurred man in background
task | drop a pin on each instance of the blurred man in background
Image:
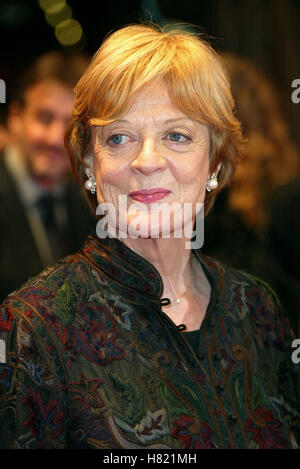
(43, 217)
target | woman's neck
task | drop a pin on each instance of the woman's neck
(182, 276)
(170, 257)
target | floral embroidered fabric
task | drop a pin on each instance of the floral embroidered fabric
(91, 361)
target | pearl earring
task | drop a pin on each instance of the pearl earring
(90, 185)
(212, 182)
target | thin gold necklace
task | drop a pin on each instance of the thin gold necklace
(177, 300)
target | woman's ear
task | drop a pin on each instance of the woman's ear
(218, 169)
(89, 165)
(216, 172)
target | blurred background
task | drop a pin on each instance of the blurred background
(255, 224)
(265, 31)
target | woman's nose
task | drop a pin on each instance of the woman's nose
(149, 159)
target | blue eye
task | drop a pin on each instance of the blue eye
(177, 137)
(118, 139)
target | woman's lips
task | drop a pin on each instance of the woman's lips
(150, 195)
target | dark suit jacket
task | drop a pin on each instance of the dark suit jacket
(19, 256)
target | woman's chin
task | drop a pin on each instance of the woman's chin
(152, 229)
(145, 225)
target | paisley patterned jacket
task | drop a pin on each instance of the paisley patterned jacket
(89, 360)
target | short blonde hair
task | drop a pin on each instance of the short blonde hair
(137, 55)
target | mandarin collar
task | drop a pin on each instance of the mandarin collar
(124, 266)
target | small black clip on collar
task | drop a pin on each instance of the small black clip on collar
(165, 302)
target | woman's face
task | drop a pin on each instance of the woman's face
(154, 156)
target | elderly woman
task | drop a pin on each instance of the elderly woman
(137, 341)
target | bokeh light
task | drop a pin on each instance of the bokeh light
(45, 4)
(58, 12)
(68, 32)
